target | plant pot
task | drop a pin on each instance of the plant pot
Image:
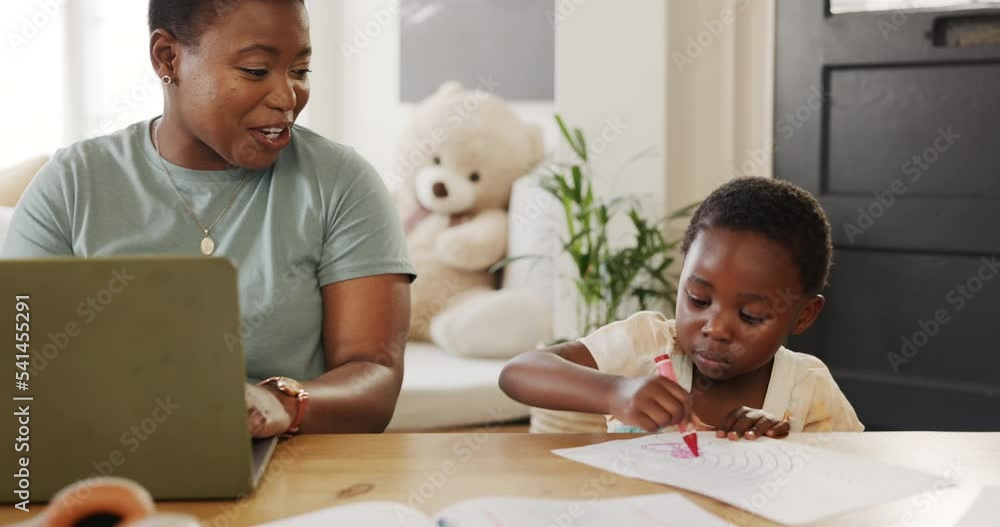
(561, 422)
(544, 421)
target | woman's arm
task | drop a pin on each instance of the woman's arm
(366, 320)
(365, 326)
(562, 377)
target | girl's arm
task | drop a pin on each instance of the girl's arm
(562, 377)
(565, 377)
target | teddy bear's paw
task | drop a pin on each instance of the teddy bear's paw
(468, 256)
(475, 245)
(493, 324)
(456, 252)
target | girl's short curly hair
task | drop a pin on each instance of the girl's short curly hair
(778, 210)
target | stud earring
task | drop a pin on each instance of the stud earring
(167, 79)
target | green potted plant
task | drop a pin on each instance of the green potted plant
(607, 273)
(610, 274)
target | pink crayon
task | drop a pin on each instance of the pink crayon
(688, 430)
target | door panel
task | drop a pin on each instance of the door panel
(881, 294)
(844, 6)
(879, 131)
(903, 152)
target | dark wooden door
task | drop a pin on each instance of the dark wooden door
(892, 119)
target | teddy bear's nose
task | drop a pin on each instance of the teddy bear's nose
(440, 191)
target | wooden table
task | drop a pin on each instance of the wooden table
(430, 471)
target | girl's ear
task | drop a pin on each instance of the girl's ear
(808, 314)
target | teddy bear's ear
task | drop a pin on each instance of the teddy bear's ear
(536, 143)
(450, 88)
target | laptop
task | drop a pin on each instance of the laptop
(119, 367)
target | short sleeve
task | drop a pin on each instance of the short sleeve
(40, 225)
(829, 410)
(363, 235)
(627, 347)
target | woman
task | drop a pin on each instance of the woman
(323, 271)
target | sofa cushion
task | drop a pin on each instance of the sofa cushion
(534, 223)
(441, 390)
(5, 215)
(15, 179)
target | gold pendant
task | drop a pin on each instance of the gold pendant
(207, 246)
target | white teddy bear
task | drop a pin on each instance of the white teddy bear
(460, 155)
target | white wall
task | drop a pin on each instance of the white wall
(694, 80)
(32, 54)
(355, 80)
(611, 82)
(720, 97)
(616, 74)
(368, 115)
(705, 108)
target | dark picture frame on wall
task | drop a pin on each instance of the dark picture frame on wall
(503, 46)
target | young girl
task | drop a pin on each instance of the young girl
(756, 255)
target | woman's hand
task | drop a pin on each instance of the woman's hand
(650, 403)
(751, 423)
(267, 415)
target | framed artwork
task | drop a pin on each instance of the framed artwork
(503, 46)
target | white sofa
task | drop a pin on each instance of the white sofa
(13, 181)
(5, 214)
(441, 390)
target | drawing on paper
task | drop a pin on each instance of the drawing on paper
(678, 450)
(782, 480)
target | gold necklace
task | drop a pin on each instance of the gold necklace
(207, 243)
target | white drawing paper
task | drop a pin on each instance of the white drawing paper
(984, 511)
(654, 510)
(781, 480)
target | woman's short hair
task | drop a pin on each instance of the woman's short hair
(186, 19)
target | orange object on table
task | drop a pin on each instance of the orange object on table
(114, 502)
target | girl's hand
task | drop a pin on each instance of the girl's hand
(751, 423)
(267, 415)
(650, 403)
